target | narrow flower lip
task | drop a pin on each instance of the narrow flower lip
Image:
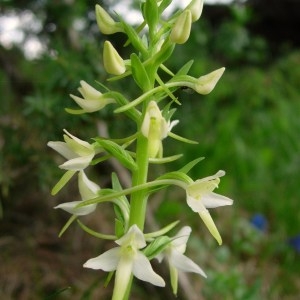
(210, 224)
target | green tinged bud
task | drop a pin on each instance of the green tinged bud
(113, 62)
(150, 12)
(182, 28)
(206, 83)
(155, 128)
(196, 7)
(105, 22)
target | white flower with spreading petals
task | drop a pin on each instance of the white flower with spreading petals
(78, 153)
(200, 196)
(174, 253)
(126, 259)
(92, 100)
(88, 190)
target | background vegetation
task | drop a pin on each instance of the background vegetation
(249, 126)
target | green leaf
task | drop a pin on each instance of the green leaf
(118, 152)
(139, 73)
(185, 69)
(157, 246)
(191, 165)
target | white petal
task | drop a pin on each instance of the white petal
(180, 239)
(213, 200)
(220, 173)
(195, 204)
(62, 149)
(183, 263)
(78, 163)
(89, 105)
(70, 207)
(134, 237)
(79, 141)
(108, 261)
(142, 270)
(88, 91)
(87, 188)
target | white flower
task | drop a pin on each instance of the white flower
(92, 100)
(126, 259)
(78, 153)
(200, 196)
(176, 258)
(88, 190)
(155, 128)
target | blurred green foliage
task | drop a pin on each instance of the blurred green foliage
(249, 126)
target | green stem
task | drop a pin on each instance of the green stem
(138, 200)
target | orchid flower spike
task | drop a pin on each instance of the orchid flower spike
(78, 153)
(88, 190)
(200, 196)
(92, 100)
(126, 259)
(174, 253)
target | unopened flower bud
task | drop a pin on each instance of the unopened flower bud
(196, 7)
(113, 62)
(206, 83)
(105, 22)
(155, 128)
(182, 28)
